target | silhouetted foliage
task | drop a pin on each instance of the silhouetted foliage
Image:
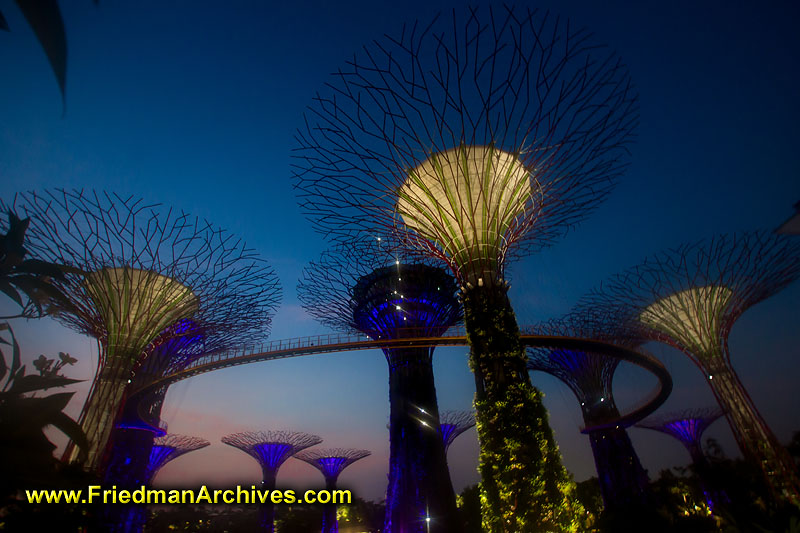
(26, 454)
(469, 504)
(44, 18)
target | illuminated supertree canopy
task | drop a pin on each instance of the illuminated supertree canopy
(454, 423)
(590, 375)
(476, 139)
(688, 426)
(271, 449)
(371, 288)
(169, 447)
(135, 270)
(331, 462)
(689, 298)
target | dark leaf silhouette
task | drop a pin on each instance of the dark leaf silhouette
(33, 383)
(44, 17)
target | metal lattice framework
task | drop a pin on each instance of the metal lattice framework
(134, 271)
(372, 288)
(590, 375)
(271, 449)
(689, 298)
(475, 139)
(534, 113)
(169, 447)
(331, 461)
(454, 423)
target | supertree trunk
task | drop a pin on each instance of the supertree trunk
(330, 524)
(266, 510)
(127, 469)
(623, 481)
(419, 480)
(525, 486)
(103, 406)
(756, 441)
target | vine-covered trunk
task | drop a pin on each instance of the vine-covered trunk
(419, 481)
(756, 441)
(524, 486)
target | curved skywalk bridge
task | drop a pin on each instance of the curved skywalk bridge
(455, 336)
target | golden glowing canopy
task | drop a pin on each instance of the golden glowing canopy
(136, 305)
(465, 200)
(692, 317)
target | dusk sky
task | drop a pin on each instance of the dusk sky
(194, 105)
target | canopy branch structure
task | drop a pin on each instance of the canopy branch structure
(168, 448)
(271, 449)
(690, 297)
(476, 139)
(454, 423)
(134, 271)
(372, 288)
(331, 462)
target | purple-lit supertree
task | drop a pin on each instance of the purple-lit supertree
(589, 375)
(133, 271)
(688, 427)
(169, 447)
(452, 424)
(331, 462)
(131, 518)
(476, 139)
(271, 449)
(369, 288)
(689, 298)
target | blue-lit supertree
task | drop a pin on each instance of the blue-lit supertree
(131, 518)
(331, 462)
(169, 447)
(370, 289)
(271, 449)
(688, 426)
(454, 423)
(623, 481)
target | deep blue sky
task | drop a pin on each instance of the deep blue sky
(194, 104)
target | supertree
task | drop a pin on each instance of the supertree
(271, 449)
(331, 462)
(235, 321)
(452, 424)
(135, 270)
(689, 298)
(590, 375)
(688, 426)
(169, 447)
(476, 140)
(369, 288)
(131, 518)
